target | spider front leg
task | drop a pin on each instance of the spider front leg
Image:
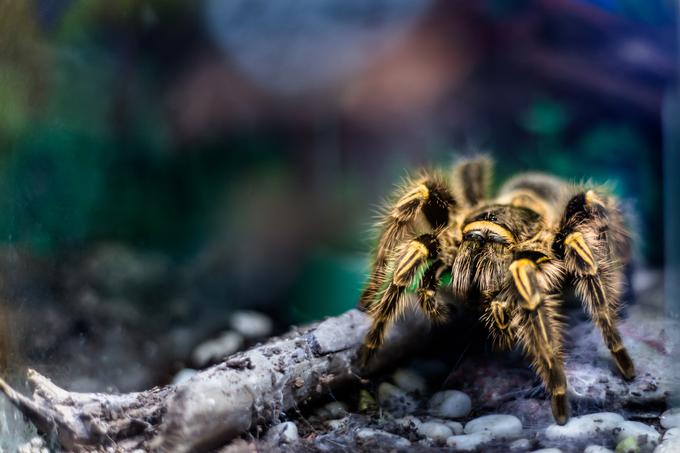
(591, 258)
(428, 196)
(435, 310)
(539, 334)
(410, 262)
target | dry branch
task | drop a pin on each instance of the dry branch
(215, 405)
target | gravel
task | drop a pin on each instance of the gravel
(520, 444)
(183, 376)
(450, 404)
(409, 380)
(438, 432)
(671, 418)
(409, 422)
(469, 442)
(597, 449)
(670, 445)
(333, 410)
(251, 324)
(500, 426)
(283, 433)
(381, 438)
(216, 349)
(395, 400)
(645, 436)
(585, 426)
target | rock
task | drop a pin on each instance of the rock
(520, 444)
(183, 376)
(456, 427)
(670, 445)
(469, 442)
(531, 411)
(409, 422)
(450, 404)
(646, 436)
(672, 433)
(395, 400)
(585, 426)
(366, 401)
(333, 410)
(597, 449)
(628, 445)
(500, 426)
(547, 450)
(35, 445)
(671, 418)
(251, 324)
(502, 384)
(385, 440)
(438, 432)
(337, 424)
(409, 380)
(216, 349)
(286, 432)
(649, 338)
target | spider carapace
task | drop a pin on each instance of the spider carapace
(511, 257)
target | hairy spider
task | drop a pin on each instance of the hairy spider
(510, 257)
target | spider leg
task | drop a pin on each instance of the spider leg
(410, 262)
(434, 309)
(592, 258)
(429, 196)
(471, 180)
(537, 330)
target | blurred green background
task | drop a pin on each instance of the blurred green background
(252, 140)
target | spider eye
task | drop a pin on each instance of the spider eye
(496, 238)
(474, 236)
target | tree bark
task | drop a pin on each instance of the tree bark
(215, 405)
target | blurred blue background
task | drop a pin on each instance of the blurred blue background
(246, 143)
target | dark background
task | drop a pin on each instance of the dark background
(245, 144)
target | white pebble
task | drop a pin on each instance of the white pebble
(382, 437)
(409, 421)
(585, 426)
(671, 445)
(645, 435)
(216, 349)
(520, 444)
(183, 376)
(285, 432)
(409, 380)
(251, 324)
(335, 409)
(456, 427)
(671, 418)
(336, 424)
(499, 425)
(450, 404)
(672, 434)
(469, 442)
(435, 431)
(395, 400)
(597, 449)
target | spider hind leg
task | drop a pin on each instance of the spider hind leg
(592, 257)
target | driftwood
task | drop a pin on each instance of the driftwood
(215, 405)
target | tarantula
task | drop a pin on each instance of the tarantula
(510, 257)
